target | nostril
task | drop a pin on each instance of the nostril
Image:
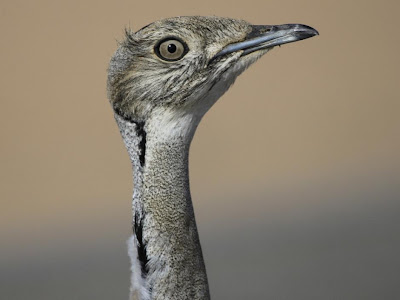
(258, 30)
(264, 30)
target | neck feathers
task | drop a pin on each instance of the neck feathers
(165, 251)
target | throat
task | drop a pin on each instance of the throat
(167, 260)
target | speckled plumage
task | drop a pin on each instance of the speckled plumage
(158, 105)
(162, 200)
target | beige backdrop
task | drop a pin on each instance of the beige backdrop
(294, 172)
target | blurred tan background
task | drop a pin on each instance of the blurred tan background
(295, 172)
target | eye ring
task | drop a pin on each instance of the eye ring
(171, 49)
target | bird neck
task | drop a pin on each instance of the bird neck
(165, 251)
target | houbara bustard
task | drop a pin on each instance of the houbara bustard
(161, 81)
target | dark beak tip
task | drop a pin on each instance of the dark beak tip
(314, 32)
(307, 30)
(302, 32)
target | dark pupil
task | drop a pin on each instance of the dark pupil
(171, 48)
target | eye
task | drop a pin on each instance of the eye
(171, 49)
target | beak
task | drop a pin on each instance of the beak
(269, 36)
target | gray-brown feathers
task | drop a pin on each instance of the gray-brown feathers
(139, 80)
(158, 105)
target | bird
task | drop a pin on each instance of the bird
(162, 80)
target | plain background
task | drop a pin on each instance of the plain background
(295, 172)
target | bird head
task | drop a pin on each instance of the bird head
(181, 66)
